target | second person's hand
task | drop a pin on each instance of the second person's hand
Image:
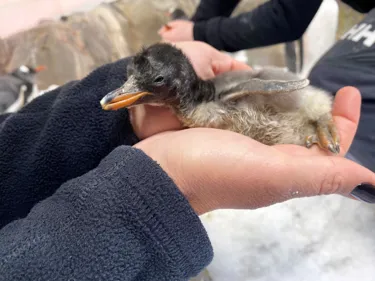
(177, 31)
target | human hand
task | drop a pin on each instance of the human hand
(177, 31)
(218, 169)
(207, 62)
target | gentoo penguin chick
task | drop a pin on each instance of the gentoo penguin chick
(177, 14)
(269, 105)
(16, 87)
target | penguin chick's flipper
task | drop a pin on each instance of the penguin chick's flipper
(327, 136)
(234, 85)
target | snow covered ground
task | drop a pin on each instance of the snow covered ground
(328, 238)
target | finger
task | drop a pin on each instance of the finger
(169, 36)
(206, 73)
(150, 120)
(165, 30)
(346, 113)
(237, 65)
(165, 40)
(228, 64)
(173, 24)
(322, 175)
(290, 177)
(299, 176)
(165, 37)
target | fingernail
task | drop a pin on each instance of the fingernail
(364, 192)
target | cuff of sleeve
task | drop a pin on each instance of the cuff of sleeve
(164, 214)
(209, 32)
(199, 31)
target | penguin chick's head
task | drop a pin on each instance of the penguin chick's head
(27, 73)
(158, 75)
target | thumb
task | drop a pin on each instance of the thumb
(165, 28)
(173, 24)
(330, 175)
(228, 64)
(346, 112)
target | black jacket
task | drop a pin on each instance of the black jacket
(77, 202)
(351, 62)
(276, 21)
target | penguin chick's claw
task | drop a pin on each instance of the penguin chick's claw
(335, 135)
(327, 136)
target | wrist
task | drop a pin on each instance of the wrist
(193, 188)
(191, 32)
(199, 31)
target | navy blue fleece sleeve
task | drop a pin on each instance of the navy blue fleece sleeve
(208, 9)
(124, 220)
(276, 21)
(59, 136)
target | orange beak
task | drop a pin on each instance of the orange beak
(40, 68)
(125, 96)
(121, 101)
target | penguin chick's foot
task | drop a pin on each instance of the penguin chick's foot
(327, 136)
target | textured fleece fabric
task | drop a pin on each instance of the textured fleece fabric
(78, 202)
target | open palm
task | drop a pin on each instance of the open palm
(208, 62)
(222, 169)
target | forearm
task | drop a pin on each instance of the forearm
(59, 136)
(120, 221)
(271, 23)
(208, 9)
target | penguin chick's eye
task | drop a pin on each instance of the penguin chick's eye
(159, 79)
